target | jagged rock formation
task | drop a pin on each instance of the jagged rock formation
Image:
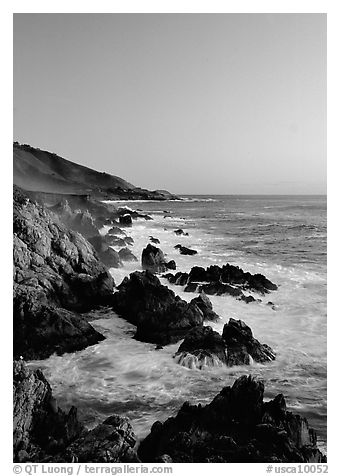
(153, 260)
(161, 317)
(242, 348)
(220, 280)
(203, 302)
(203, 347)
(236, 427)
(56, 275)
(42, 432)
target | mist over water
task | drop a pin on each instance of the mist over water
(282, 237)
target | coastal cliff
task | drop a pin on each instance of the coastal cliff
(57, 275)
(42, 171)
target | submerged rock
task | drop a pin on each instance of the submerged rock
(185, 251)
(161, 317)
(236, 427)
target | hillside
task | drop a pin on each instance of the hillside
(42, 171)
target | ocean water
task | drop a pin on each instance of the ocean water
(282, 237)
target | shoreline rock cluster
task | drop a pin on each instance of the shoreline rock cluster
(222, 280)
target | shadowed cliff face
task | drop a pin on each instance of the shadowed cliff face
(46, 172)
(56, 275)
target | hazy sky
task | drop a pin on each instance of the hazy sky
(193, 103)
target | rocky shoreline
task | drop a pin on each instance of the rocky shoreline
(61, 262)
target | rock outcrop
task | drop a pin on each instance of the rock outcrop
(219, 280)
(42, 432)
(57, 275)
(241, 345)
(236, 427)
(204, 303)
(203, 347)
(153, 260)
(161, 317)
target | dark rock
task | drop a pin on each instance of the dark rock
(204, 303)
(133, 213)
(56, 275)
(178, 278)
(197, 274)
(192, 288)
(110, 258)
(125, 220)
(232, 429)
(161, 317)
(126, 255)
(202, 347)
(154, 240)
(112, 441)
(180, 232)
(230, 280)
(171, 264)
(185, 251)
(153, 259)
(241, 344)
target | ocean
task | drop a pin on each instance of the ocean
(282, 237)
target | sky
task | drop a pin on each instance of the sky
(191, 103)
